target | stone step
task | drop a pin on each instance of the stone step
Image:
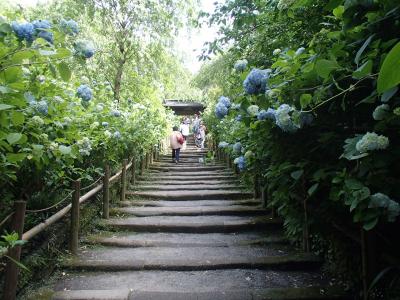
(190, 173)
(181, 187)
(232, 284)
(167, 182)
(303, 293)
(192, 203)
(169, 163)
(154, 177)
(193, 224)
(192, 195)
(190, 211)
(178, 168)
(192, 259)
(187, 239)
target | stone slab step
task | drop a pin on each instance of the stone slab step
(190, 211)
(191, 173)
(193, 224)
(186, 240)
(178, 168)
(210, 281)
(186, 177)
(303, 293)
(181, 187)
(168, 182)
(191, 259)
(191, 195)
(192, 203)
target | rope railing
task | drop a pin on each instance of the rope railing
(6, 218)
(50, 207)
(18, 215)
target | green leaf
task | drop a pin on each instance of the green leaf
(389, 94)
(21, 55)
(11, 74)
(15, 157)
(353, 184)
(333, 4)
(370, 224)
(362, 49)
(312, 189)
(64, 70)
(5, 28)
(338, 11)
(5, 106)
(363, 70)
(17, 118)
(66, 150)
(12, 138)
(324, 67)
(389, 75)
(305, 100)
(297, 174)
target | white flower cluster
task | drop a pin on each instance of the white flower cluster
(85, 146)
(371, 141)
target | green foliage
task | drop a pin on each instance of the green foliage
(332, 146)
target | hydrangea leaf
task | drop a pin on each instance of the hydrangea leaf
(362, 49)
(5, 106)
(297, 174)
(325, 67)
(15, 157)
(64, 70)
(364, 70)
(312, 189)
(305, 100)
(14, 137)
(386, 96)
(370, 224)
(389, 75)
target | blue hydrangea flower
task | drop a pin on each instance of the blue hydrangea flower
(29, 97)
(41, 24)
(116, 113)
(240, 162)
(381, 112)
(380, 200)
(84, 92)
(225, 101)
(24, 31)
(252, 110)
(69, 27)
(42, 107)
(238, 118)
(371, 141)
(241, 65)
(300, 50)
(237, 147)
(283, 119)
(46, 35)
(117, 135)
(221, 110)
(84, 48)
(256, 82)
(104, 124)
(268, 114)
(223, 145)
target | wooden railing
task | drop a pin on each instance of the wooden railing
(18, 216)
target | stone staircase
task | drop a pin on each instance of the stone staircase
(190, 231)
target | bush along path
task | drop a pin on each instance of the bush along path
(190, 231)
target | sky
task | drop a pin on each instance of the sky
(189, 43)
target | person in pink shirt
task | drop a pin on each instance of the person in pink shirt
(176, 141)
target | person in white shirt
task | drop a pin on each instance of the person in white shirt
(184, 129)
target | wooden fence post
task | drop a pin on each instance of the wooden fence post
(133, 171)
(151, 156)
(106, 192)
(257, 192)
(142, 165)
(74, 234)
(147, 160)
(264, 196)
(12, 270)
(123, 180)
